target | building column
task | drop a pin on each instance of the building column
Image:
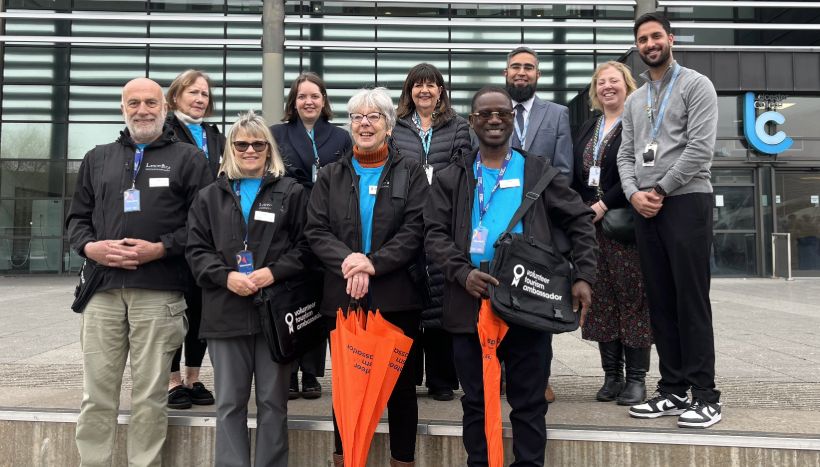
(273, 60)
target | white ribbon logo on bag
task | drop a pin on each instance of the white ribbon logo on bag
(534, 283)
(289, 322)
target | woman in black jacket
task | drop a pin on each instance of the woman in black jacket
(189, 102)
(429, 131)
(229, 225)
(308, 142)
(619, 317)
(365, 225)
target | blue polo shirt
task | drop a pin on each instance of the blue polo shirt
(368, 177)
(503, 205)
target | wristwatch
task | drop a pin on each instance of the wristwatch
(659, 189)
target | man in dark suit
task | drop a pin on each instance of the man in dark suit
(543, 126)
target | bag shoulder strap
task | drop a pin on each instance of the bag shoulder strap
(530, 198)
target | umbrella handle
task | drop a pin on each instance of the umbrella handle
(353, 305)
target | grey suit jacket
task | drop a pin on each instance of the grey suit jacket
(548, 135)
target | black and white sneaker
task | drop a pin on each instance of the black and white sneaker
(700, 414)
(660, 405)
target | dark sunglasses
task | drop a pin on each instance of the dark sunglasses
(243, 146)
(486, 115)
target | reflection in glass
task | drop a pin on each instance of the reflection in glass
(29, 64)
(31, 178)
(95, 103)
(33, 102)
(797, 210)
(27, 231)
(733, 254)
(121, 65)
(26, 140)
(82, 137)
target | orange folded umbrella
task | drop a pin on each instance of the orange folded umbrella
(355, 350)
(391, 356)
(491, 330)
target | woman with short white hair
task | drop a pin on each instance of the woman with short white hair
(365, 225)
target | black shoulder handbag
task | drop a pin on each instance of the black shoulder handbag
(290, 318)
(90, 278)
(535, 279)
(289, 310)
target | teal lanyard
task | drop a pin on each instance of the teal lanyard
(310, 134)
(600, 136)
(426, 136)
(656, 123)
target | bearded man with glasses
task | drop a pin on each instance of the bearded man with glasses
(474, 199)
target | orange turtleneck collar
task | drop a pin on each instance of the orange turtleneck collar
(371, 159)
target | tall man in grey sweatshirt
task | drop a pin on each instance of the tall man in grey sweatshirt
(668, 138)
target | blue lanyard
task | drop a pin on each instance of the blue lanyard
(522, 135)
(137, 162)
(315, 149)
(237, 188)
(600, 136)
(426, 136)
(656, 124)
(205, 143)
(482, 208)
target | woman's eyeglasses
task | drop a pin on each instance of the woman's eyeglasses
(372, 117)
(243, 146)
(486, 115)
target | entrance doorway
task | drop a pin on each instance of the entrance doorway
(797, 211)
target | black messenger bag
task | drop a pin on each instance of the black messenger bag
(290, 318)
(535, 279)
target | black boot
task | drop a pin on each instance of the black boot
(637, 364)
(612, 362)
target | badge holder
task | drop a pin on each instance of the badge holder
(594, 176)
(479, 242)
(649, 154)
(314, 172)
(428, 169)
(244, 262)
(131, 200)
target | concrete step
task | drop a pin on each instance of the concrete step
(39, 438)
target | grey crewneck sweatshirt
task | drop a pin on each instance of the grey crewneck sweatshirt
(686, 139)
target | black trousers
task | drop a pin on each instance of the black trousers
(313, 361)
(438, 359)
(526, 354)
(674, 248)
(402, 407)
(194, 346)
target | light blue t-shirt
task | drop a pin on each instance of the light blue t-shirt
(196, 132)
(142, 145)
(248, 189)
(368, 177)
(503, 205)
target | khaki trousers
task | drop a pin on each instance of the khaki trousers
(150, 325)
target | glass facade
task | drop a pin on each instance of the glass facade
(63, 63)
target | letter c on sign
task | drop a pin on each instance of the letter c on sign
(754, 128)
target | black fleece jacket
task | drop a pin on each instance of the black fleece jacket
(169, 178)
(216, 232)
(334, 230)
(448, 224)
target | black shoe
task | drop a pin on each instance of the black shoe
(700, 414)
(293, 390)
(179, 398)
(311, 389)
(444, 394)
(200, 395)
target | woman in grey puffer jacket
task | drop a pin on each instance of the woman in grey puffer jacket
(429, 130)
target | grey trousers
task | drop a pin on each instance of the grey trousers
(236, 362)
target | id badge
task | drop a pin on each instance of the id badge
(479, 241)
(314, 172)
(649, 154)
(131, 200)
(594, 176)
(428, 169)
(244, 262)
(373, 189)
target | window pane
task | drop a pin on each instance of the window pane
(95, 103)
(733, 254)
(31, 141)
(25, 228)
(31, 179)
(82, 137)
(32, 64)
(734, 208)
(166, 64)
(121, 65)
(34, 102)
